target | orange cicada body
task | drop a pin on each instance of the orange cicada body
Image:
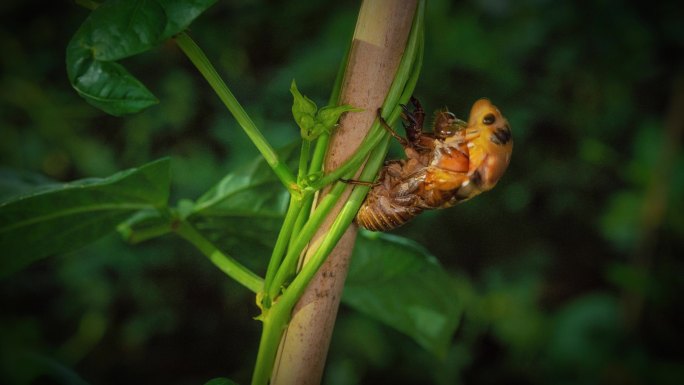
(454, 163)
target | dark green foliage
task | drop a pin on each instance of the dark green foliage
(59, 218)
(398, 282)
(132, 27)
(243, 212)
(220, 381)
(569, 271)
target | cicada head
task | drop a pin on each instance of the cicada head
(490, 144)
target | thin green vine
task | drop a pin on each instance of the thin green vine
(228, 265)
(204, 66)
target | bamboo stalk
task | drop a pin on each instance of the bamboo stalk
(379, 40)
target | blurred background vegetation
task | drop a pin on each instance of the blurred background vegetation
(569, 270)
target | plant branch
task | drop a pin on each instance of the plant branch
(287, 268)
(228, 265)
(280, 247)
(202, 63)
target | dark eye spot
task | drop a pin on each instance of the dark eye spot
(489, 119)
(501, 136)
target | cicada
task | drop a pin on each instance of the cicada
(451, 164)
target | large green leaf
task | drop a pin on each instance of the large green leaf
(15, 182)
(61, 218)
(253, 191)
(397, 282)
(116, 30)
(243, 212)
(240, 214)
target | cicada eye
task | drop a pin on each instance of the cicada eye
(489, 119)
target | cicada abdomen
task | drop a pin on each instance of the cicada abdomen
(392, 200)
(381, 213)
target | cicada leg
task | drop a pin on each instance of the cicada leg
(413, 124)
(391, 131)
(359, 182)
(447, 125)
(391, 170)
(413, 121)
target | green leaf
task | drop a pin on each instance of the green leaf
(329, 115)
(243, 212)
(15, 182)
(303, 111)
(313, 122)
(220, 381)
(397, 282)
(65, 217)
(253, 191)
(107, 85)
(116, 30)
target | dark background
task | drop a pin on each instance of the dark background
(570, 269)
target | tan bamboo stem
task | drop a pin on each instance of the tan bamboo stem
(379, 40)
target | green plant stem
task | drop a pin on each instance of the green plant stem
(304, 214)
(144, 234)
(337, 229)
(319, 153)
(274, 322)
(304, 237)
(293, 211)
(304, 159)
(202, 63)
(298, 210)
(355, 161)
(228, 265)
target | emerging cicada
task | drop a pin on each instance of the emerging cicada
(454, 163)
